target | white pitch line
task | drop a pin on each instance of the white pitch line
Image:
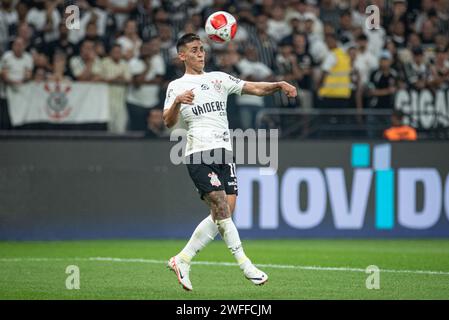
(225, 264)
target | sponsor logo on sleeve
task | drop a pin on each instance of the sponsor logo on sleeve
(234, 79)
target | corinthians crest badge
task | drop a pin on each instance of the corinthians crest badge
(214, 179)
(218, 86)
(57, 102)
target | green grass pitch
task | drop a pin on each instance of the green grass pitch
(297, 269)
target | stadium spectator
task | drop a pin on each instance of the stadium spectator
(329, 12)
(155, 124)
(147, 73)
(130, 41)
(16, 67)
(441, 42)
(383, 84)
(92, 33)
(365, 62)
(122, 10)
(278, 27)
(251, 69)
(22, 8)
(334, 83)
(295, 8)
(16, 64)
(442, 9)
(317, 49)
(86, 66)
(162, 17)
(31, 42)
(12, 14)
(234, 54)
(344, 31)
(60, 71)
(428, 35)
(287, 68)
(417, 71)
(433, 17)
(427, 6)
(143, 15)
(115, 71)
(100, 49)
(8, 23)
(305, 63)
(398, 131)
(413, 41)
(96, 12)
(399, 12)
(226, 63)
(296, 25)
(397, 63)
(262, 41)
(398, 34)
(42, 66)
(167, 43)
(356, 81)
(60, 45)
(439, 78)
(40, 74)
(45, 18)
(246, 17)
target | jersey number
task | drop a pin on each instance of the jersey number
(232, 167)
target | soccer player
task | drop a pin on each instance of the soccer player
(200, 98)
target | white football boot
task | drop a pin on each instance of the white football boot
(256, 276)
(182, 270)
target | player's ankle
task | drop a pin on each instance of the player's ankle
(245, 264)
(185, 257)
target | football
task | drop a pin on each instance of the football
(221, 26)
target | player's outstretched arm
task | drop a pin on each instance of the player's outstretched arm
(266, 88)
(171, 114)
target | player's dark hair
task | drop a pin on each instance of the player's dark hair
(185, 39)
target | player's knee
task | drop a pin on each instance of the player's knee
(222, 210)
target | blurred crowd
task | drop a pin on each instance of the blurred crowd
(324, 47)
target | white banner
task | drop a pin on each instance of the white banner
(58, 102)
(426, 109)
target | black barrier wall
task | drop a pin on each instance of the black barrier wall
(86, 189)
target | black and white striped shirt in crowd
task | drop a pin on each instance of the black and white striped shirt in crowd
(266, 49)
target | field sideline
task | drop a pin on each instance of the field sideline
(297, 269)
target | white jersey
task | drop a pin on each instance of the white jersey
(206, 120)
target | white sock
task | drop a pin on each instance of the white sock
(204, 233)
(230, 235)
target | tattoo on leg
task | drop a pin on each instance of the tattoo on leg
(218, 205)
